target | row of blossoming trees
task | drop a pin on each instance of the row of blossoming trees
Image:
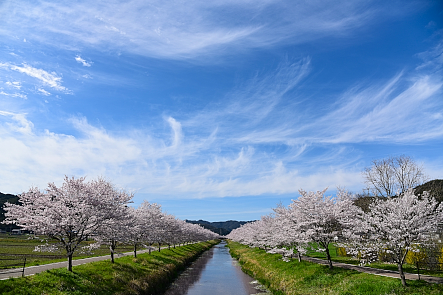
(80, 210)
(392, 226)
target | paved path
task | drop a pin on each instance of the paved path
(31, 270)
(376, 271)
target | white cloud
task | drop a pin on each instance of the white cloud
(433, 58)
(82, 61)
(50, 79)
(181, 30)
(19, 122)
(15, 85)
(136, 160)
(389, 112)
(41, 157)
(44, 92)
(14, 94)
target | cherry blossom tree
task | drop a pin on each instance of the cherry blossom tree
(323, 219)
(115, 235)
(113, 230)
(287, 231)
(395, 225)
(136, 234)
(151, 223)
(71, 213)
(194, 232)
(116, 232)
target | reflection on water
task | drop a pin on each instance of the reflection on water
(215, 273)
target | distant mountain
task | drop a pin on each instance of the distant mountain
(434, 187)
(3, 199)
(220, 227)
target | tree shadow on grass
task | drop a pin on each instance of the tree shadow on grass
(75, 283)
(323, 276)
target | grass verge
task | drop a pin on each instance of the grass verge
(146, 274)
(310, 278)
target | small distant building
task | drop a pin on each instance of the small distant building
(16, 231)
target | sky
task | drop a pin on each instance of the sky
(218, 110)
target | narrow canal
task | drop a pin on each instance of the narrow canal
(215, 273)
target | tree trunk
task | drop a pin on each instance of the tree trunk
(70, 262)
(402, 274)
(418, 270)
(299, 256)
(159, 247)
(135, 250)
(112, 248)
(328, 256)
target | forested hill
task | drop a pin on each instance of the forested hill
(3, 199)
(220, 227)
(434, 187)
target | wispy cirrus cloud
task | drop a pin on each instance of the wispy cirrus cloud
(50, 79)
(405, 108)
(83, 61)
(16, 85)
(178, 30)
(433, 58)
(44, 92)
(30, 80)
(15, 94)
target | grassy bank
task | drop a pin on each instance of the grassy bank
(146, 274)
(310, 278)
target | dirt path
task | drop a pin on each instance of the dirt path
(376, 271)
(31, 270)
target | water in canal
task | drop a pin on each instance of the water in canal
(215, 273)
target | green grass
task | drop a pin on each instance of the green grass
(310, 278)
(146, 274)
(380, 265)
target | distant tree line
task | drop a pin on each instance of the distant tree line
(220, 227)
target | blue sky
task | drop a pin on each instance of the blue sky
(218, 110)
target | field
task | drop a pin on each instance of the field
(310, 278)
(21, 246)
